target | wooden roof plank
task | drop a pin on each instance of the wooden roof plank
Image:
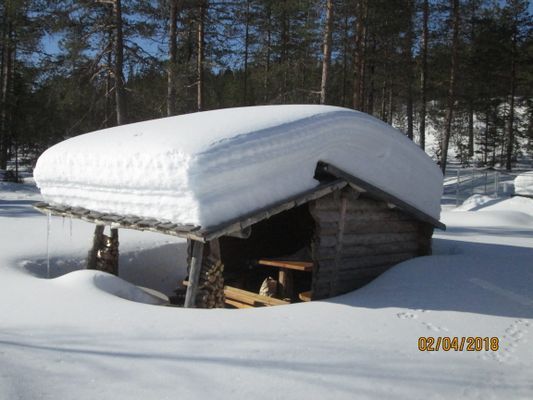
(119, 221)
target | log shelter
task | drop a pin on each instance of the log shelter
(320, 243)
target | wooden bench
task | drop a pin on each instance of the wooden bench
(285, 268)
(244, 299)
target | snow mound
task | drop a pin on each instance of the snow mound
(206, 168)
(523, 184)
(111, 284)
(474, 202)
(518, 204)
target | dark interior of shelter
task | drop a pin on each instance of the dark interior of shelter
(286, 236)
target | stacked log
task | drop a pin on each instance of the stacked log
(210, 292)
(357, 238)
(104, 254)
(211, 285)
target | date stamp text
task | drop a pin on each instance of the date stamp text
(470, 343)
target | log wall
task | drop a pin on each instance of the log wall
(358, 238)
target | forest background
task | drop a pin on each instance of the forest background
(448, 73)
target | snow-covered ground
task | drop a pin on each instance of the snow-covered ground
(76, 336)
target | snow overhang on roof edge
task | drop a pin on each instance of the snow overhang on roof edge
(331, 178)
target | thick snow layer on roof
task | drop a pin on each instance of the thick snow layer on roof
(523, 184)
(206, 168)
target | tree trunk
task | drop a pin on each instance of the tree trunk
(383, 110)
(345, 60)
(451, 86)
(371, 89)
(470, 128)
(486, 144)
(424, 74)
(408, 51)
(173, 58)
(266, 85)
(284, 59)
(246, 44)
(5, 85)
(108, 112)
(327, 51)
(359, 59)
(119, 65)
(391, 102)
(510, 134)
(200, 56)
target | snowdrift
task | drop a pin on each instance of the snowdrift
(113, 285)
(209, 167)
(523, 184)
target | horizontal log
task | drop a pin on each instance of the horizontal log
(354, 274)
(362, 226)
(320, 293)
(361, 215)
(324, 286)
(326, 253)
(366, 239)
(362, 262)
(331, 203)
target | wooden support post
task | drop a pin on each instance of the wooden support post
(285, 283)
(194, 273)
(114, 249)
(97, 244)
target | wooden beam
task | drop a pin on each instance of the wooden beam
(324, 169)
(194, 273)
(238, 304)
(251, 298)
(121, 221)
(305, 266)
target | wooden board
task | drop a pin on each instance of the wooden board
(238, 304)
(121, 221)
(305, 266)
(250, 298)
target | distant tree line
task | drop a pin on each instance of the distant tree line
(463, 68)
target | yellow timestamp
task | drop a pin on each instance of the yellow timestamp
(465, 343)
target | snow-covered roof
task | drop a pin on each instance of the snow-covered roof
(206, 168)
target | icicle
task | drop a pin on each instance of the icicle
(48, 229)
(70, 228)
